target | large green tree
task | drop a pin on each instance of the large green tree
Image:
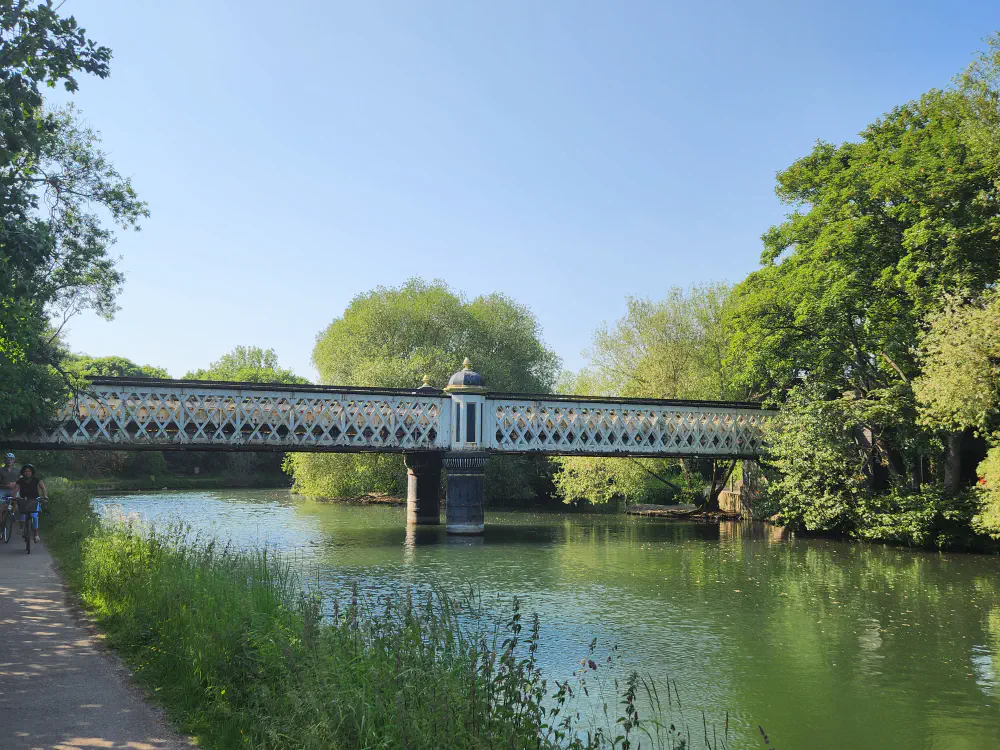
(883, 230)
(57, 192)
(392, 337)
(250, 364)
(670, 348)
(110, 367)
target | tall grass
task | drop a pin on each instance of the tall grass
(243, 656)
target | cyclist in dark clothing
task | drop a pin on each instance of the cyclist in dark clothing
(29, 489)
(8, 476)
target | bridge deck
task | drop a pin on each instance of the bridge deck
(150, 414)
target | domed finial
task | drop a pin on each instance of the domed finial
(466, 365)
(427, 381)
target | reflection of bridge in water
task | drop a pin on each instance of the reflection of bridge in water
(457, 428)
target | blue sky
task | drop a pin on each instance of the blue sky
(566, 154)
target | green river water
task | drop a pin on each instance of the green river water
(826, 644)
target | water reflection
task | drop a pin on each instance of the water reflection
(826, 644)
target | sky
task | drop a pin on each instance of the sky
(567, 154)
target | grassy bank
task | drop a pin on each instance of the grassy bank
(242, 657)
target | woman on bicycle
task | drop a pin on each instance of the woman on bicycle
(29, 489)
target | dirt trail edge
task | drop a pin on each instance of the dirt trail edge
(59, 688)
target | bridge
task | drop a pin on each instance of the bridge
(456, 428)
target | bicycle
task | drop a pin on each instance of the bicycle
(28, 527)
(7, 518)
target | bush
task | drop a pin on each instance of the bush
(987, 520)
(925, 518)
(815, 472)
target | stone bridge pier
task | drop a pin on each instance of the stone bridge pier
(465, 463)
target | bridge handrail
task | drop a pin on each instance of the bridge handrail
(341, 389)
(514, 396)
(237, 385)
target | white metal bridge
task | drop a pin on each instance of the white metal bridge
(152, 414)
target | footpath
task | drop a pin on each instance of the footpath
(59, 688)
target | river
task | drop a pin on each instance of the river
(826, 644)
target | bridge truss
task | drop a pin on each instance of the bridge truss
(151, 414)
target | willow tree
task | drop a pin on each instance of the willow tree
(392, 337)
(670, 348)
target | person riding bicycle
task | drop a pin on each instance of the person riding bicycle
(8, 480)
(29, 489)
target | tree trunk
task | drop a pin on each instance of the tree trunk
(720, 475)
(952, 463)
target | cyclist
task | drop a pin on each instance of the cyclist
(8, 483)
(29, 489)
(8, 476)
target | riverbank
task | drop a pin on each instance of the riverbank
(240, 655)
(680, 513)
(187, 482)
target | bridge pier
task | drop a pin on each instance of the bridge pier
(423, 488)
(464, 513)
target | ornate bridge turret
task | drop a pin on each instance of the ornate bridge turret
(466, 462)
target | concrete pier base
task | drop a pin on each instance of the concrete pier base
(466, 485)
(423, 488)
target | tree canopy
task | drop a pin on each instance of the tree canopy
(859, 311)
(57, 190)
(392, 337)
(111, 367)
(249, 364)
(670, 348)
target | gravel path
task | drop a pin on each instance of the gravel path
(59, 688)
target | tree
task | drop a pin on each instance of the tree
(672, 348)
(883, 230)
(392, 337)
(110, 367)
(53, 247)
(959, 387)
(247, 364)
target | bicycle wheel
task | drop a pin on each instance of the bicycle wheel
(27, 533)
(5, 527)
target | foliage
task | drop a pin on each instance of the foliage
(919, 518)
(110, 367)
(392, 337)
(55, 185)
(672, 348)
(960, 352)
(883, 231)
(817, 472)
(987, 521)
(249, 364)
(603, 480)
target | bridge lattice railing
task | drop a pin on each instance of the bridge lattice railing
(565, 426)
(161, 414)
(217, 416)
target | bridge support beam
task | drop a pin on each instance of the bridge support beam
(466, 485)
(423, 488)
